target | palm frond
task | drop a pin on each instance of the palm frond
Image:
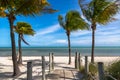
(107, 14)
(61, 21)
(99, 11)
(82, 24)
(85, 9)
(73, 21)
(33, 7)
(4, 3)
(24, 28)
(48, 10)
(22, 38)
(2, 12)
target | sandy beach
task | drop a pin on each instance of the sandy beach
(60, 63)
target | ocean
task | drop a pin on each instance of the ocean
(63, 51)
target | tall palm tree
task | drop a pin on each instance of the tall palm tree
(98, 12)
(22, 28)
(72, 22)
(11, 8)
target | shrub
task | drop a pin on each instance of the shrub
(114, 70)
(82, 69)
(93, 69)
(92, 72)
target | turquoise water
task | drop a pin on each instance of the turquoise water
(63, 51)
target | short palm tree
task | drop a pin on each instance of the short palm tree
(22, 28)
(72, 22)
(12, 8)
(98, 12)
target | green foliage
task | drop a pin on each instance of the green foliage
(24, 7)
(73, 21)
(114, 70)
(99, 11)
(24, 28)
(82, 69)
(93, 69)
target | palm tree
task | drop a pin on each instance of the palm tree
(72, 22)
(98, 12)
(11, 8)
(22, 28)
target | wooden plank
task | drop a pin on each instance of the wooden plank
(68, 74)
(86, 66)
(76, 60)
(55, 75)
(61, 74)
(101, 71)
(43, 68)
(79, 61)
(50, 62)
(29, 70)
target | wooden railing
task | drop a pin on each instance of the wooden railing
(78, 63)
(44, 66)
(101, 72)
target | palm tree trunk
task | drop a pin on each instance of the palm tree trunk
(20, 50)
(16, 69)
(93, 42)
(69, 47)
(93, 46)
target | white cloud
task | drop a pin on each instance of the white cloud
(82, 16)
(61, 41)
(41, 40)
(48, 30)
(108, 32)
(81, 42)
(117, 16)
(108, 40)
(44, 38)
(80, 33)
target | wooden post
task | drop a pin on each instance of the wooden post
(29, 70)
(76, 60)
(101, 71)
(79, 62)
(43, 68)
(86, 66)
(52, 61)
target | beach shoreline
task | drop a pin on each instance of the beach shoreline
(61, 62)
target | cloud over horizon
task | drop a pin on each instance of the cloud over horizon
(50, 29)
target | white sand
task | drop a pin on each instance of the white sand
(61, 62)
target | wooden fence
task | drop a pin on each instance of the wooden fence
(50, 65)
(101, 72)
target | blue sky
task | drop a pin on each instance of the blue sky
(49, 32)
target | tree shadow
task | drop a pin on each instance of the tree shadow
(58, 64)
(5, 75)
(35, 62)
(79, 75)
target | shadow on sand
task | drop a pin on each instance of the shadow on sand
(5, 75)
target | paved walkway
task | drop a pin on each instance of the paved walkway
(64, 74)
